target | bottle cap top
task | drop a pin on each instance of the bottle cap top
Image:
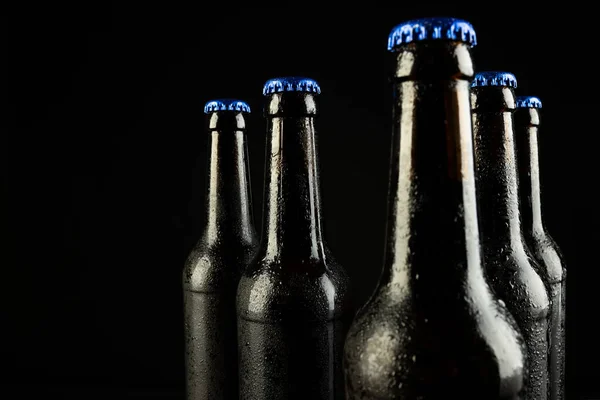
(226, 105)
(494, 78)
(528, 102)
(431, 29)
(291, 84)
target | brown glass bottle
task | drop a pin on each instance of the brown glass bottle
(543, 247)
(509, 266)
(293, 299)
(433, 328)
(214, 266)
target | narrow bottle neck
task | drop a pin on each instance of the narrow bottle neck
(228, 199)
(496, 174)
(526, 135)
(432, 215)
(292, 226)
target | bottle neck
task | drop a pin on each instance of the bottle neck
(292, 219)
(229, 203)
(529, 170)
(496, 174)
(432, 217)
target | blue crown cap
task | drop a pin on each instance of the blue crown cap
(494, 78)
(432, 28)
(528, 102)
(291, 84)
(226, 105)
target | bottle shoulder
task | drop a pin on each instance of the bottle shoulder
(271, 289)
(396, 344)
(548, 255)
(210, 267)
(513, 274)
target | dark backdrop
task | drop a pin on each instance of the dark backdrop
(106, 161)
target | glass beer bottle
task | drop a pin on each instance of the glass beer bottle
(433, 328)
(509, 266)
(541, 244)
(214, 266)
(293, 299)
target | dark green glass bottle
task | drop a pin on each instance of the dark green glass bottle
(213, 268)
(510, 268)
(433, 328)
(293, 300)
(543, 247)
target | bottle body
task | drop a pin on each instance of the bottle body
(293, 301)
(516, 282)
(510, 268)
(541, 244)
(290, 340)
(432, 328)
(210, 324)
(549, 258)
(214, 266)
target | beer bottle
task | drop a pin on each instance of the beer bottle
(293, 298)
(510, 268)
(433, 328)
(543, 247)
(213, 268)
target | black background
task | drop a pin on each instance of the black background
(106, 163)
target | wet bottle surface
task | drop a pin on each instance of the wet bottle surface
(510, 268)
(541, 244)
(433, 329)
(213, 268)
(293, 300)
